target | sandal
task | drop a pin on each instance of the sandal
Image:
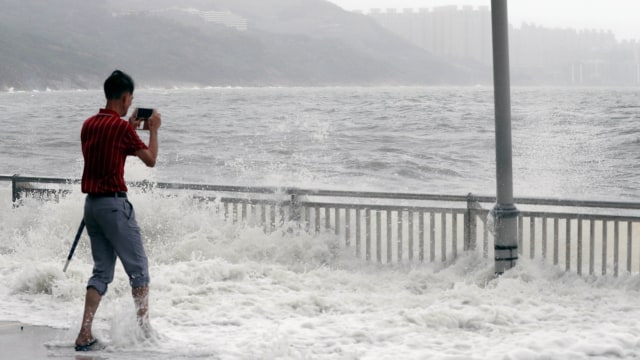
(88, 346)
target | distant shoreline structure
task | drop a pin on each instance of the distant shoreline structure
(539, 54)
(515, 24)
(478, 8)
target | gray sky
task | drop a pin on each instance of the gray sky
(621, 16)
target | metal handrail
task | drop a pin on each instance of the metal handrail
(342, 193)
(429, 226)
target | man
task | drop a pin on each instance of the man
(107, 140)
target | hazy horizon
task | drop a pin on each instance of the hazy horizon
(616, 15)
(315, 44)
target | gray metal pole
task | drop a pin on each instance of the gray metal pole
(504, 212)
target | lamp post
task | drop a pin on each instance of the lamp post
(504, 212)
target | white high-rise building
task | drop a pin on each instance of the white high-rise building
(448, 31)
(226, 18)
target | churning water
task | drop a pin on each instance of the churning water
(226, 291)
(566, 142)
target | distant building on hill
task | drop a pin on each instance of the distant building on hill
(226, 18)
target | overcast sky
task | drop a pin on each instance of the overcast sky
(621, 16)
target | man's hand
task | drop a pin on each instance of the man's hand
(149, 156)
(134, 121)
(153, 122)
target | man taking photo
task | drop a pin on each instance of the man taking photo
(107, 140)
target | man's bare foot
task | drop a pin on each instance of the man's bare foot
(84, 337)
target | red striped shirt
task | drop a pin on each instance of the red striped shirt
(107, 140)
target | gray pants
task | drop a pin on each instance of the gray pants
(114, 232)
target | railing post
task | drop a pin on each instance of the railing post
(15, 192)
(294, 208)
(470, 224)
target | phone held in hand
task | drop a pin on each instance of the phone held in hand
(143, 113)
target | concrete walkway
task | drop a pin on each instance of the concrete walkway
(26, 342)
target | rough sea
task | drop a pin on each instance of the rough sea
(226, 291)
(567, 142)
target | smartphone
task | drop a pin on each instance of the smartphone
(144, 113)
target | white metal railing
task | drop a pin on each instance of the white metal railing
(587, 237)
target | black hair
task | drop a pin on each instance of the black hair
(117, 84)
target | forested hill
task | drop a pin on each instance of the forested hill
(76, 43)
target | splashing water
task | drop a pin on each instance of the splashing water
(231, 291)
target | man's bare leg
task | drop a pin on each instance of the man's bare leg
(141, 300)
(91, 303)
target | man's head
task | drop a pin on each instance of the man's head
(117, 84)
(118, 89)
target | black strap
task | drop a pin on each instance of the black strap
(506, 258)
(505, 247)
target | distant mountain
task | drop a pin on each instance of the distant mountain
(76, 43)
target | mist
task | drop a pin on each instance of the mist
(73, 44)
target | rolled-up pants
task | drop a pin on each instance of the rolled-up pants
(114, 233)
